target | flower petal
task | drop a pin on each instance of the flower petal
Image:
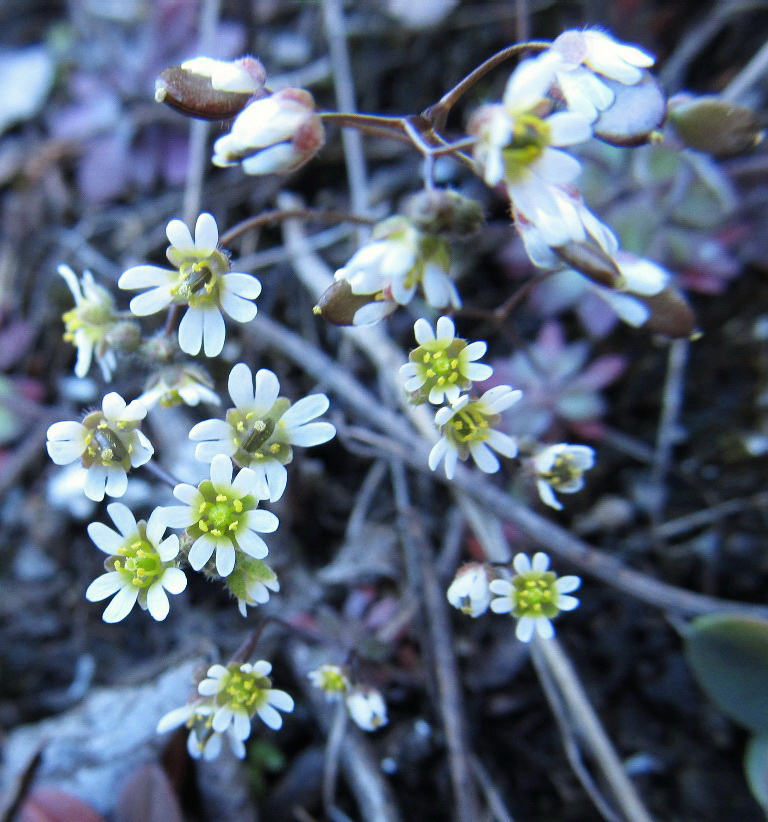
(105, 538)
(104, 586)
(225, 556)
(121, 605)
(179, 236)
(214, 332)
(150, 302)
(201, 551)
(206, 234)
(221, 472)
(313, 433)
(252, 544)
(240, 385)
(191, 331)
(241, 310)
(305, 410)
(157, 602)
(174, 580)
(123, 518)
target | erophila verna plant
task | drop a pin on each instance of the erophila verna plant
(583, 86)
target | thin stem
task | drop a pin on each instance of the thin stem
(438, 113)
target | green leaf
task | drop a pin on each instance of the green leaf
(728, 656)
(756, 769)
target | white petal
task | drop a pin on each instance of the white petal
(502, 605)
(475, 350)
(277, 477)
(211, 430)
(105, 538)
(451, 458)
(547, 495)
(150, 302)
(305, 410)
(168, 549)
(557, 167)
(214, 332)
(540, 561)
(477, 372)
(206, 451)
(71, 280)
(241, 725)
(95, 480)
(221, 472)
(521, 563)
(121, 605)
(146, 276)
(281, 700)
(65, 451)
(240, 389)
(243, 285)
(179, 236)
(201, 551)
(566, 603)
(314, 433)
(104, 586)
(252, 544)
(225, 556)
(484, 458)
(222, 718)
(568, 128)
(545, 628)
(175, 718)
(264, 521)
(206, 234)
(157, 602)
(178, 516)
(423, 332)
(503, 444)
(191, 331)
(567, 584)
(246, 482)
(525, 629)
(437, 453)
(67, 431)
(187, 494)
(446, 330)
(269, 716)
(113, 406)
(117, 481)
(123, 518)
(174, 580)
(267, 389)
(241, 310)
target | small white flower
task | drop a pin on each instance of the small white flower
(535, 596)
(600, 52)
(331, 680)
(221, 516)
(399, 258)
(108, 442)
(179, 384)
(89, 322)
(251, 582)
(467, 429)
(243, 76)
(443, 365)
(260, 431)
(274, 134)
(241, 692)
(202, 280)
(202, 742)
(561, 468)
(367, 708)
(469, 591)
(141, 565)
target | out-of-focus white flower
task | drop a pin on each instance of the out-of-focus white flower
(89, 322)
(469, 591)
(275, 134)
(251, 582)
(331, 680)
(367, 708)
(202, 280)
(179, 384)
(399, 258)
(108, 442)
(241, 692)
(202, 742)
(535, 596)
(600, 52)
(561, 468)
(244, 76)
(260, 431)
(443, 365)
(221, 516)
(141, 565)
(467, 428)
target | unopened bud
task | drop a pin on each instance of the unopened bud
(338, 304)
(592, 262)
(124, 336)
(714, 125)
(635, 114)
(211, 89)
(671, 315)
(443, 211)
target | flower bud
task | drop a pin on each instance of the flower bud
(124, 336)
(469, 591)
(340, 306)
(591, 261)
(714, 125)
(443, 211)
(274, 134)
(211, 89)
(636, 113)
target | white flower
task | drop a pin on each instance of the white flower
(600, 52)
(251, 582)
(88, 323)
(561, 468)
(202, 280)
(274, 134)
(331, 680)
(202, 741)
(367, 708)
(535, 596)
(467, 429)
(221, 516)
(392, 266)
(469, 591)
(179, 384)
(240, 692)
(243, 76)
(141, 565)
(442, 366)
(108, 442)
(262, 428)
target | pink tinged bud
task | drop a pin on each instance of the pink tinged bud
(275, 134)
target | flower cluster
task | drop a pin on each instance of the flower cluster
(533, 594)
(229, 698)
(364, 704)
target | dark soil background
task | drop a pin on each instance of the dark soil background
(91, 174)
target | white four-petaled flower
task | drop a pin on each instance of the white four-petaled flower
(561, 468)
(202, 280)
(141, 564)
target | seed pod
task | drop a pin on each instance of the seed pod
(714, 125)
(592, 262)
(338, 304)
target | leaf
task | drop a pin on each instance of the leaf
(756, 769)
(53, 805)
(728, 656)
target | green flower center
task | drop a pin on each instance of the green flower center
(469, 425)
(139, 562)
(530, 137)
(440, 363)
(221, 516)
(564, 472)
(258, 438)
(535, 594)
(104, 444)
(244, 690)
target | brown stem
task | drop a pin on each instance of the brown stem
(277, 215)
